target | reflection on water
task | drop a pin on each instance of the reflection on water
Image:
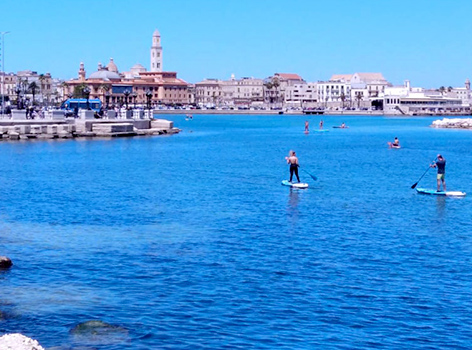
(441, 207)
(292, 207)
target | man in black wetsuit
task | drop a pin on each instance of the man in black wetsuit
(441, 177)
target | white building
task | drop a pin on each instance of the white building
(418, 101)
(301, 95)
(351, 90)
(462, 93)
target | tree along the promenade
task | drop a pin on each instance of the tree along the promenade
(79, 91)
(268, 85)
(65, 89)
(33, 87)
(343, 98)
(42, 78)
(358, 98)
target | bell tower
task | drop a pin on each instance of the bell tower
(81, 72)
(156, 52)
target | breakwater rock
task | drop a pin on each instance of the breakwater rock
(17, 341)
(453, 123)
(5, 262)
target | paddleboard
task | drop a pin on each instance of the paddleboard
(392, 146)
(321, 130)
(294, 184)
(341, 127)
(435, 193)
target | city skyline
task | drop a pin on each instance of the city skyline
(424, 41)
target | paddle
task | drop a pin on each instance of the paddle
(429, 167)
(312, 176)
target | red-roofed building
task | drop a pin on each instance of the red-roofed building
(275, 86)
(111, 86)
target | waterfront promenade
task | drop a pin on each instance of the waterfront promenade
(293, 112)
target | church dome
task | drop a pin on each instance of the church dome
(138, 67)
(112, 66)
(156, 33)
(105, 74)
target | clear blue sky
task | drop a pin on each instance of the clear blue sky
(426, 41)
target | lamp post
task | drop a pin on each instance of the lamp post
(17, 91)
(126, 93)
(107, 99)
(86, 92)
(149, 96)
(3, 69)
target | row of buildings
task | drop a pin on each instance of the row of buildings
(279, 91)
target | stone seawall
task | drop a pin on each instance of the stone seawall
(11, 129)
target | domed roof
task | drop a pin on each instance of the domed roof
(156, 33)
(138, 66)
(105, 74)
(112, 66)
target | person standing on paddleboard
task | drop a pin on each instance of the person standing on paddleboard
(307, 126)
(293, 161)
(441, 177)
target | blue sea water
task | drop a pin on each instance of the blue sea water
(190, 242)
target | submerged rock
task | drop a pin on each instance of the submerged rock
(96, 331)
(17, 341)
(5, 262)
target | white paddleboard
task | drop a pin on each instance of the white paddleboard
(294, 184)
(441, 193)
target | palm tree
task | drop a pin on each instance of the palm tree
(268, 85)
(450, 88)
(42, 78)
(358, 98)
(343, 98)
(442, 89)
(33, 87)
(276, 84)
(105, 88)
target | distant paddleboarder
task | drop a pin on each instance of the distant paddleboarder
(293, 161)
(395, 143)
(440, 163)
(307, 127)
(321, 124)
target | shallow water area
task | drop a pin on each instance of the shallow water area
(190, 241)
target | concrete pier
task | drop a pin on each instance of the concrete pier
(56, 125)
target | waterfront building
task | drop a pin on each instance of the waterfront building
(134, 86)
(462, 93)
(245, 92)
(335, 92)
(208, 93)
(359, 90)
(28, 85)
(275, 87)
(408, 100)
(302, 95)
